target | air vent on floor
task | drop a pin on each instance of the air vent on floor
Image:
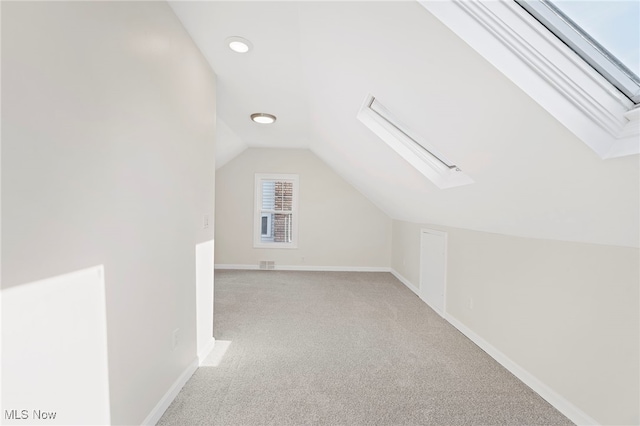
(267, 264)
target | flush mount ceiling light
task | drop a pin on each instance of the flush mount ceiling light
(263, 118)
(413, 149)
(238, 44)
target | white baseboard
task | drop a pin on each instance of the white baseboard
(333, 268)
(235, 266)
(204, 352)
(572, 412)
(167, 399)
(405, 281)
(309, 268)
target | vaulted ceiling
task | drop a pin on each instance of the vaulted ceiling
(312, 65)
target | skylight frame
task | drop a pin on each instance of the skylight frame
(414, 149)
(548, 71)
(585, 46)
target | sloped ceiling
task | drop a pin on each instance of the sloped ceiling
(312, 65)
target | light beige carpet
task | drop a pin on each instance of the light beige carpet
(333, 348)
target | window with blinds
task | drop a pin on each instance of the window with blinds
(276, 211)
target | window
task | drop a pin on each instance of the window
(549, 71)
(416, 151)
(604, 34)
(276, 215)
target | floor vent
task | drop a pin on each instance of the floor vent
(267, 264)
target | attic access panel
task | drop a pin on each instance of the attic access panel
(423, 157)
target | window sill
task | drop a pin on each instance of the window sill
(275, 245)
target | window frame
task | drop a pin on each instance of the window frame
(545, 68)
(581, 42)
(257, 220)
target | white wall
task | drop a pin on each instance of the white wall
(338, 226)
(567, 313)
(108, 123)
(204, 298)
(228, 144)
(55, 331)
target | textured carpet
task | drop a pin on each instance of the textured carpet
(334, 348)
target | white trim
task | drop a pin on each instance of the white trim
(415, 150)
(308, 268)
(405, 281)
(162, 405)
(235, 266)
(334, 268)
(206, 350)
(572, 412)
(547, 70)
(446, 256)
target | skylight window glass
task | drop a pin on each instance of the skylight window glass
(613, 24)
(604, 33)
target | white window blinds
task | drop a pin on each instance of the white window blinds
(276, 199)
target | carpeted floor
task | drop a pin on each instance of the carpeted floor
(344, 348)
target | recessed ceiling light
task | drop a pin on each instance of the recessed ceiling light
(238, 44)
(262, 118)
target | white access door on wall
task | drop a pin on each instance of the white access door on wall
(433, 266)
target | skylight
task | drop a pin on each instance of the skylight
(422, 156)
(604, 33)
(583, 99)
